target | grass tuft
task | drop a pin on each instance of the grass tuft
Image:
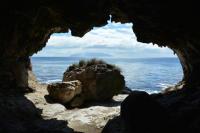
(86, 63)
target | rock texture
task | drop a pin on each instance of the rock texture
(100, 81)
(31, 113)
(27, 25)
(90, 119)
(64, 92)
(19, 114)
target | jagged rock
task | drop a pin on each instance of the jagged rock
(65, 91)
(126, 90)
(100, 81)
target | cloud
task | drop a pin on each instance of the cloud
(91, 54)
(114, 39)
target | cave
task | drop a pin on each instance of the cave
(27, 25)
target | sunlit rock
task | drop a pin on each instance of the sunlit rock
(100, 81)
(65, 91)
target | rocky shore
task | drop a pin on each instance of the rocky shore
(46, 108)
(172, 110)
(33, 113)
(90, 119)
(86, 81)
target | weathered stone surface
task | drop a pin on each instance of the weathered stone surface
(90, 119)
(64, 92)
(100, 81)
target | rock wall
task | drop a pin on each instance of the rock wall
(27, 25)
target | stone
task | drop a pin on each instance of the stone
(140, 113)
(100, 81)
(50, 110)
(89, 119)
(126, 90)
(77, 101)
(113, 126)
(65, 91)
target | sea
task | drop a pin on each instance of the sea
(147, 74)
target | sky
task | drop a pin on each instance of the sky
(115, 40)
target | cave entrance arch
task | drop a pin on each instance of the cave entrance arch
(25, 28)
(145, 66)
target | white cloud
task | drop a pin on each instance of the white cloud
(116, 39)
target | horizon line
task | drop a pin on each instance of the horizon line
(98, 57)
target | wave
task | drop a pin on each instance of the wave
(149, 90)
(53, 81)
(163, 86)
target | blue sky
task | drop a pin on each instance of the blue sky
(115, 40)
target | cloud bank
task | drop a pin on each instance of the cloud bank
(114, 40)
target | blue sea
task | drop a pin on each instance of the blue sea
(149, 74)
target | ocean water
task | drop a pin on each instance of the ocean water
(149, 74)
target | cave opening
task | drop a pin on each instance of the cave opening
(145, 67)
(26, 27)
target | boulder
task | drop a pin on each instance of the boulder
(100, 81)
(77, 101)
(126, 90)
(140, 113)
(64, 92)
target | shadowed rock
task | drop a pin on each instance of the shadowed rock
(141, 113)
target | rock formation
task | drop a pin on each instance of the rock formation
(172, 112)
(27, 25)
(100, 81)
(64, 92)
(93, 80)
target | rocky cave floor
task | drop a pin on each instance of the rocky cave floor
(177, 111)
(32, 113)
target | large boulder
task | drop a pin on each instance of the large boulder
(141, 113)
(100, 81)
(64, 92)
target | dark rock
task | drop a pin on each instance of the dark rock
(27, 26)
(113, 126)
(77, 101)
(126, 90)
(140, 113)
(173, 112)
